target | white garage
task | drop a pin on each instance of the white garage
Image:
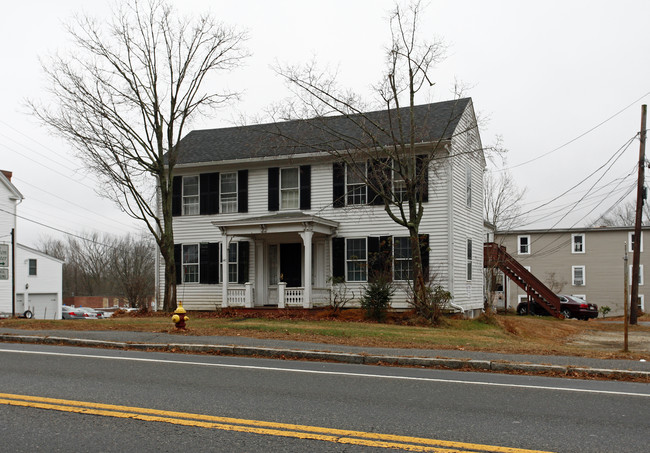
(39, 306)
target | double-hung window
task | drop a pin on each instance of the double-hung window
(469, 259)
(578, 275)
(32, 267)
(232, 263)
(289, 188)
(190, 195)
(523, 245)
(190, 263)
(399, 185)
(403, 262)
(640, 274)
(468, 183)
(578, 243)
(228, 192)
(356, 257)
(355, 184)
(631, 239)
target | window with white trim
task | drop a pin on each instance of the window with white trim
(468, 183)
(578, 275)
(399, 185)
(356, 260)
(190, 195)
(32, 267)
(402, 258)
(289, 188)
(578, 243)
(641, 304)
(640, 274)
(232, 262)
(469, 259)
(630, 241)
(228, 192)
(523, 245)
(355, 184)
(190, 263)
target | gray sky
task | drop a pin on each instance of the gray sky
(541, 75)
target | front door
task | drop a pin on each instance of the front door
(291, 264)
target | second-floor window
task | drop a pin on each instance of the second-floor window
(578, 243)
(523, 245)
(631, 239)
(228, 192)
(355, 184)
(289, 188)
(190, 195)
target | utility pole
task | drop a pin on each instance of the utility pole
(13, 272)
(625, 293)
(637, 224)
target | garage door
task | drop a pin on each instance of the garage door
(43, 306)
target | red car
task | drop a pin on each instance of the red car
(570, 307)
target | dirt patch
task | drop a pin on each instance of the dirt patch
(638, 341)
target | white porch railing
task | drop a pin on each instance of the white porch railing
(293, 297)
(241, 297)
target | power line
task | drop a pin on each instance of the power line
(576, 138)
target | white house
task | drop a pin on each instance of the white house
(35, 289)
(10, 197)
(39, 284)
(292, 216)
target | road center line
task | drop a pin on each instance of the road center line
(330, 373)
(255, 426)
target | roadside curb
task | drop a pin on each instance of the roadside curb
(342, 357)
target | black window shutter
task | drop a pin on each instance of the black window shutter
(274, 189)
(209, 193)
(422, 176)
(209, 263)
(374, 258)
(424, 253)
(177, 196)
(338, 184)
(379, 175)
(178, 254)
(243, 253)
(242, 191)
(305, 187)
(338, 257)
(386, 253)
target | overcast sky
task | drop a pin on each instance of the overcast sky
(562, 82)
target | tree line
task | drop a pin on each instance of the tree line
(106, 265)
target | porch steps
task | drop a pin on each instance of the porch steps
(495, 255)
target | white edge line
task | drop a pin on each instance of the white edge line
(330, 373)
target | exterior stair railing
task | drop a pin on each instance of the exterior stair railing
(495, 255)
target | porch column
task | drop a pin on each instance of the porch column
(224, 271)
(306, 240)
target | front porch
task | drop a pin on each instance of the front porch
(291, 261)
(280, 296)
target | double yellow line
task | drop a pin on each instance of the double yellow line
(254, 426)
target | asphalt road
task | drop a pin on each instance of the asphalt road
(243, 395)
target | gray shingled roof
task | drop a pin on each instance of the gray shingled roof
(433, 122)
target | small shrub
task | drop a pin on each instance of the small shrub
(431, 305)
(604, 310)
(339, 296)
(376, 297)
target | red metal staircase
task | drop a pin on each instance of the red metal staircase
(495, 255)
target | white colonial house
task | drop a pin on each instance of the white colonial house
(30, 281)
(294, 218)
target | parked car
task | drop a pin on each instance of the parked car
(68, 312)
(570, 307)
(90, 313)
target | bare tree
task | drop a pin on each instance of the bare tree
(125, 94)
(132, 268)
(502, 201)
(623, 215)
(379, 148)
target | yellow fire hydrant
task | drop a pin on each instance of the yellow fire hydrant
(179, 317)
